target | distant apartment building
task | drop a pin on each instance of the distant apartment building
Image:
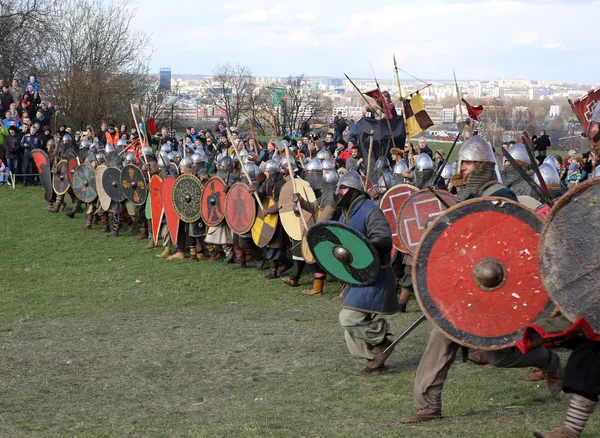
(554, 111)
(354, 112)
(448, 115)
(539, 93)
(164, 83)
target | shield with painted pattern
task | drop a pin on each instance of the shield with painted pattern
(240, 209)
(295, 220)
(166, 194)
(156, 205)
(133, 184)
(213, 201)
(265, 225)
(84, 183)
(186, 194)
(60, 179)
(391, 203)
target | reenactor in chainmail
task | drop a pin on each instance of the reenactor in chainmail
(220, 236)
(476, 177)
(66, 149)
(511, 177)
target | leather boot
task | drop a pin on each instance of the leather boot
(290, 281)
(273, 265)
(150, 245)
(143, 234)
(165, 253)
(56, 207)
(317, 288)
(50, 206)
(229, 257)
(423, 416)
(88, 222)
(179, 255)
(200, 250)
(556, 433)
(76, 207)
(115, 231)
(105, 227)
(193, 254)
(240, 259)
(260, 264)
(405, 295)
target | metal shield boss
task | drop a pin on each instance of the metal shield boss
(186, 194)
(166, 194)
(417, 213)
(475, 273)
(391, 204)
(213, 202)
(111, 183)
(60, 179)
(291, 215)
(133, 184)
(265, 225)
(42, 163)
(84, 183)
(240, 209)
(344, 253)
(156, 205)
(569, 258)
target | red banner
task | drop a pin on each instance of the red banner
(474, 111)
(584, 106)
(381, 101)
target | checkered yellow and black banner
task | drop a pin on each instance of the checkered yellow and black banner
(417, 119)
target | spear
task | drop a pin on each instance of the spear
(401, 98)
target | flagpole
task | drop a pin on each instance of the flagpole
(401, 98)
(462, 119)
(384, 113)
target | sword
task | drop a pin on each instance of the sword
(407, 332)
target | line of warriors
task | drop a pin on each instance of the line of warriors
(478, 172)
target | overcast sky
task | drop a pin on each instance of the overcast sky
(536, 39)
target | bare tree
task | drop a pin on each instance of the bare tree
(300, 103)
(95, 63)
(152, 103)
(22, 26)
(230, 88)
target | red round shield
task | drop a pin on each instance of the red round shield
(212, 204)
(42, 163)
(391, 204)
(156, 205)
(240, 209)
(166, 190)
(475, 272)
(417, 213)
(71, 165)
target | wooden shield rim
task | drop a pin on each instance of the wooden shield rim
(57, 173)
(368, 244)
(69, 174)
(180, 178)
(105, 170)
(547, 223)
(253, 207)
(286, 207)
(83, 166)
(415, 275)
(156, 224)
(143, 179)
(175, 227)
(205, 194)
(406, 249)
(102, 195)
(266, 202)
(397, 242)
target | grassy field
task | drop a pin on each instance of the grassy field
(101, 339)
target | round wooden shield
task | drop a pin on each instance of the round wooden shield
(213, 202)
(166, 194)
(71, 165)
(60, 179)
(290, 214)
(42, 163)
(84, 183)
(417, 213)
(307, 254)
(133, 184)
(102, 195)
(265, 225)
(569, 258)
(344, 253)
(156, 205)
(240, 209)
(111, 183)
(475, 272)
(186, 194)
(391, 204)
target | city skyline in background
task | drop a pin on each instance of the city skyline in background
(479, 40)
